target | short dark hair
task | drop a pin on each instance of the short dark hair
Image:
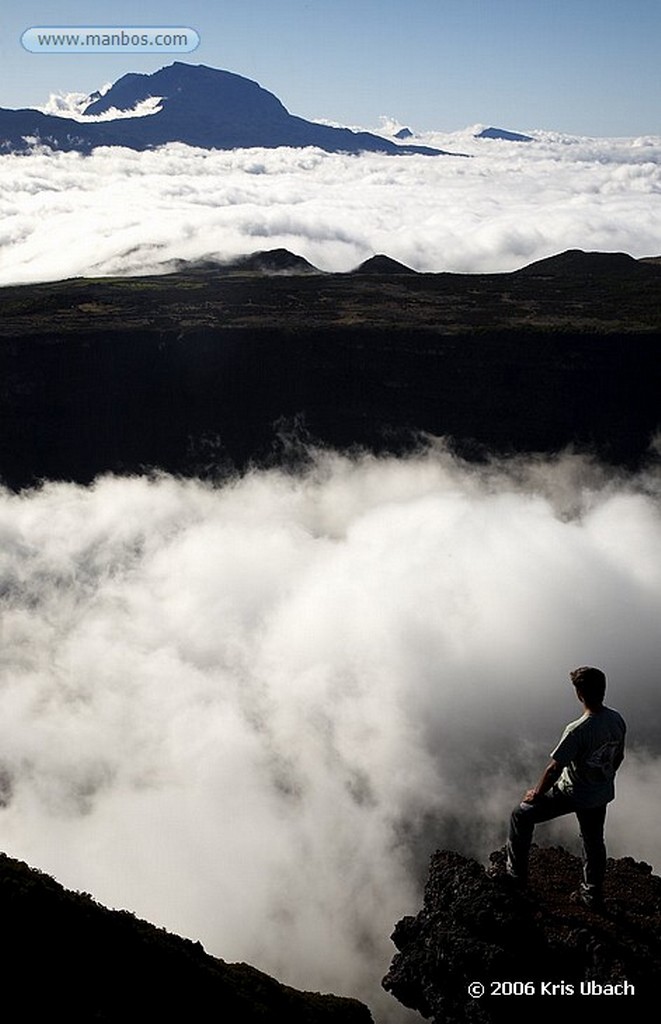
(589, 682)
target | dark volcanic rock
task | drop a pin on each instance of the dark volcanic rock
(66, 956)
(200, 106)
(477, 928)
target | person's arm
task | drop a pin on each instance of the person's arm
(549, 776)
(619, 758)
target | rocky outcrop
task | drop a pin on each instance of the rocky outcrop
(481, 950)
(65, 956)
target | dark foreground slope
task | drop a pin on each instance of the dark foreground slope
(555, 959)
(66, 957)
(203, 372)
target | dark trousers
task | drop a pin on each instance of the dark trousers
(552, 805)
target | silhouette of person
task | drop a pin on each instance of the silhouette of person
(579, 779)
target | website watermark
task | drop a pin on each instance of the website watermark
(110, 39)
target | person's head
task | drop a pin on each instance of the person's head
(590, 685)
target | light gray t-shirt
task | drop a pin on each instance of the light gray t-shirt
(590, 751)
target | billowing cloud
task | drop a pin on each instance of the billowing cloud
(250, 712)
(72, 104)
(122, 212)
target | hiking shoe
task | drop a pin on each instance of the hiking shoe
(592, 900)
(506, 877)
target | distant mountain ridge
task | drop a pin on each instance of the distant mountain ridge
(572, 264)
(201, 106)
(504, 135)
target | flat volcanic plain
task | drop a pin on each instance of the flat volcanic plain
(213, 368)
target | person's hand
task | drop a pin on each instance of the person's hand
(529, 796)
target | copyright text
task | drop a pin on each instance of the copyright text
(551, 988)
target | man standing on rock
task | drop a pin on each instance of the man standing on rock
(579, 779)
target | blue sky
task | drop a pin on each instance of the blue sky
(584, 66)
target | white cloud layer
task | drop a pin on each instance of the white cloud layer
(250, 712)
(73, 104)
(122, 212)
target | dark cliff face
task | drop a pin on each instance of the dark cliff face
(65, 956)
(201, 373)
(210, 401)
(474, 928)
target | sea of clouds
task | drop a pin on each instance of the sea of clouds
(122, 212)
(250, 711)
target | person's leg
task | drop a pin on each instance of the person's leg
(591, 823)
(522, 825)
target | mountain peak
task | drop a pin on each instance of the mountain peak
(274, 261)
(381, 264)
(200, 106)
(195, 86)
(576, 263)
(504, 135)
